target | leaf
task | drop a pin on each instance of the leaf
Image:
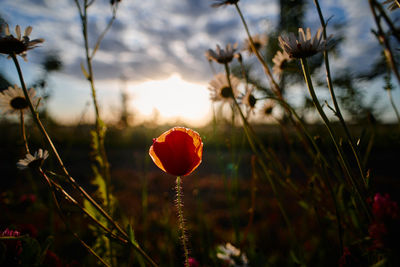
(84, 71)
(380, 263)
(304, 205)
(31, 252)
(99, 182)
(294, 257)
(131, 235)
(49, 241)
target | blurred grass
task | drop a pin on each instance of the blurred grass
(217, 195)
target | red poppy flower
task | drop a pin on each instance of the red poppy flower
(178, 151)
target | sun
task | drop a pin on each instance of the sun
(173, 99)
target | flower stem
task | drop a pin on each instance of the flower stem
(181, 219)
(338, 113)
(23, 133)
(332, 134)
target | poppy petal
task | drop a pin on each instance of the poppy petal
(178, 151)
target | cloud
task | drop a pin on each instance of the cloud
(153, 40)
(146, 36)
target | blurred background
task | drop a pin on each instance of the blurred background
(151, 74)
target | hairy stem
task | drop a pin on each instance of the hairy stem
(181, 219)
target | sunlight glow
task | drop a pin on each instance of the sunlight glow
(170, 100)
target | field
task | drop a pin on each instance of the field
(218, 198)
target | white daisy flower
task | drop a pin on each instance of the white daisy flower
(305, 46)
(12, 100)
(18, 45)
(220, 55)
(34, 161)
(232, 255)
(220, 90)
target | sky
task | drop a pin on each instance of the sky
(158, 46)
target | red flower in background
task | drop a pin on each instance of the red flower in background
(193, 262)
(384, 208)
(178, 151)
(383, 230)
(13, 248)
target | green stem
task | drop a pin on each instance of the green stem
(181, 219)
(23, 133)
(332, 134)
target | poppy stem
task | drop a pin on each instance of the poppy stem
(181, 219)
